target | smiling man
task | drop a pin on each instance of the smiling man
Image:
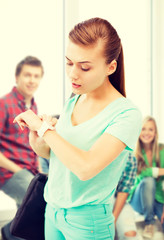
(18, 162)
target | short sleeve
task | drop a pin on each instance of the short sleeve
(126, 126)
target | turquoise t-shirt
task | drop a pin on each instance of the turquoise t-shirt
(64, 189)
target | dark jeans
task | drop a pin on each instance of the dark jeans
(16, 188)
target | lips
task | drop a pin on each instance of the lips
(74, 85)
(146, 137)
(31, 87)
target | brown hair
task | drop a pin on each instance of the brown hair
(29, 60)
(90, 32)
(155, 147)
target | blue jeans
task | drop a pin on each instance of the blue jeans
(143, 201)
(88, 222)
(44, 164)
(17, 185)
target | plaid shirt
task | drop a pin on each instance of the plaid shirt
(14, 143)
(128, 176)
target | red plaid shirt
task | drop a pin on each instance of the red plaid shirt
(14, 143)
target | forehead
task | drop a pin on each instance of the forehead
(80, 53)
(31, 69)
(149, 124)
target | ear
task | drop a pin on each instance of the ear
(112, 67)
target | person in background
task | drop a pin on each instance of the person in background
(18, 162)
(123, 212)
(146, 197)
(92, 138)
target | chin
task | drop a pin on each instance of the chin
(147, 142)
(77, 91)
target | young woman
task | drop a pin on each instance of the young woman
(148, 192)
(92, 138)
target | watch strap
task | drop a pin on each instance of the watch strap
(44, 127)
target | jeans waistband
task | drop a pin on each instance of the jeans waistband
(88, 209)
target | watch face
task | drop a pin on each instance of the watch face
(44, 127)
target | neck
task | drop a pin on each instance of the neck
(27, 99)
(147, 147)
(106, 91)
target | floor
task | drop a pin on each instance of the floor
(158, 235)
(6, 213)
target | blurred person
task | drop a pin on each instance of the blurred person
(123, 212)
(18, 162)
(146, 197)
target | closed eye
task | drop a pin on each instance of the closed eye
(85, 69)
(69, 64)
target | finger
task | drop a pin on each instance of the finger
(54, 121)
(20, 125)
(15, 119)
(45, 117)
(41, 117)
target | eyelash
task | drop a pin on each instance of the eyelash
(83, 69)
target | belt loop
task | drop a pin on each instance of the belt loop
(104, 206)
(107, 208)
(65, 212)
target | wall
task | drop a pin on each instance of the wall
(140, 26)
(134, 32)
(158, 64)
(33, 28)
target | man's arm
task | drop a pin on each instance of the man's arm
(8, 164)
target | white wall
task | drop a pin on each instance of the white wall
(33, 27)
(158, 65)
(133, 26)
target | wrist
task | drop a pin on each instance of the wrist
(44, 128)
(155, 172)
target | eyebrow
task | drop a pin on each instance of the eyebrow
(78, 62)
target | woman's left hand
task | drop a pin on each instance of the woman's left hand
(28, 119)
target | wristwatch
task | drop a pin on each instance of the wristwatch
(44, 127)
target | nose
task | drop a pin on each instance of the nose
(32, 79)
(73, 73)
